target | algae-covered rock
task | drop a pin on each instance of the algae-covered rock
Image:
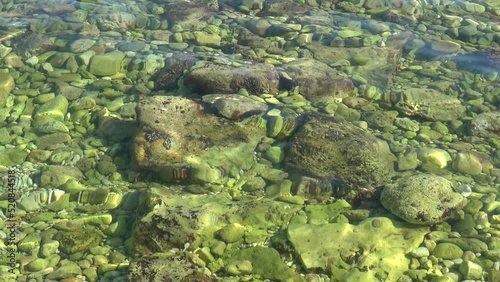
(447, 251)
(195, 218)
(430, 104)
(422, 198)
(55, 108)
(12, 156)
(340, 151)
(376, 244)
(78, 240)
(107, 64)
(265, 262)
(164, 267)
(180, 142)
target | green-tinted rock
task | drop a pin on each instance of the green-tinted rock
(239, 267)
(106, 64)
(106, 167)
(68, 270)
(37, 265)
(467, 163)
(49, 248)
(275, 154)
(338, 247)
(326, 148)
(321, 214)
(12, 156)
(447, 251)
(471, 270)
(78, 240)
(54, 176)
(50, 140)
(203, 38)
(6, 85)
(265, 262)
(231, 233)
(55, 108)
(422, 198)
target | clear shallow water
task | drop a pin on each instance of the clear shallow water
(420, 78)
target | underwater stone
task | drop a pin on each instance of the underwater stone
(447, 251)
(55, 108)
(224, 79)
(234, 106)
(78, 240)
(374, 244)
(106, 64)
(422, 198)
(471, 270)
(204, 151)
(428, 103)
(6, 85)
(486, 125)
(318, 81)
(434, 156)
(12, 156)
(54, 176)
(467, 163)
(67, 270)
(265, 262)
(325, 148)
(239, 267)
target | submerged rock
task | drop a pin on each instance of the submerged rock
(372, 250)
(317, 81)
(224, 79)
(193, 219)
(167, 77)
(485, 60)
(164, 267)
(429, 104)
(486, 125)
(180, 142)
(342, 152)
(422, 198)
(234, 106)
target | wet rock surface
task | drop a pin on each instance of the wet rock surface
(486, 124)
(214, 79)
(429, 104)
(178, 140)
(326, 148)
(422, 199)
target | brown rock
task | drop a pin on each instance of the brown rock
(317, 81)
(224, 79)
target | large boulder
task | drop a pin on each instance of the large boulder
(429, 104)
(225, 79)
(422, 198)
(372, 250)
(179, 141)
(341, 151)
(317, 81)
